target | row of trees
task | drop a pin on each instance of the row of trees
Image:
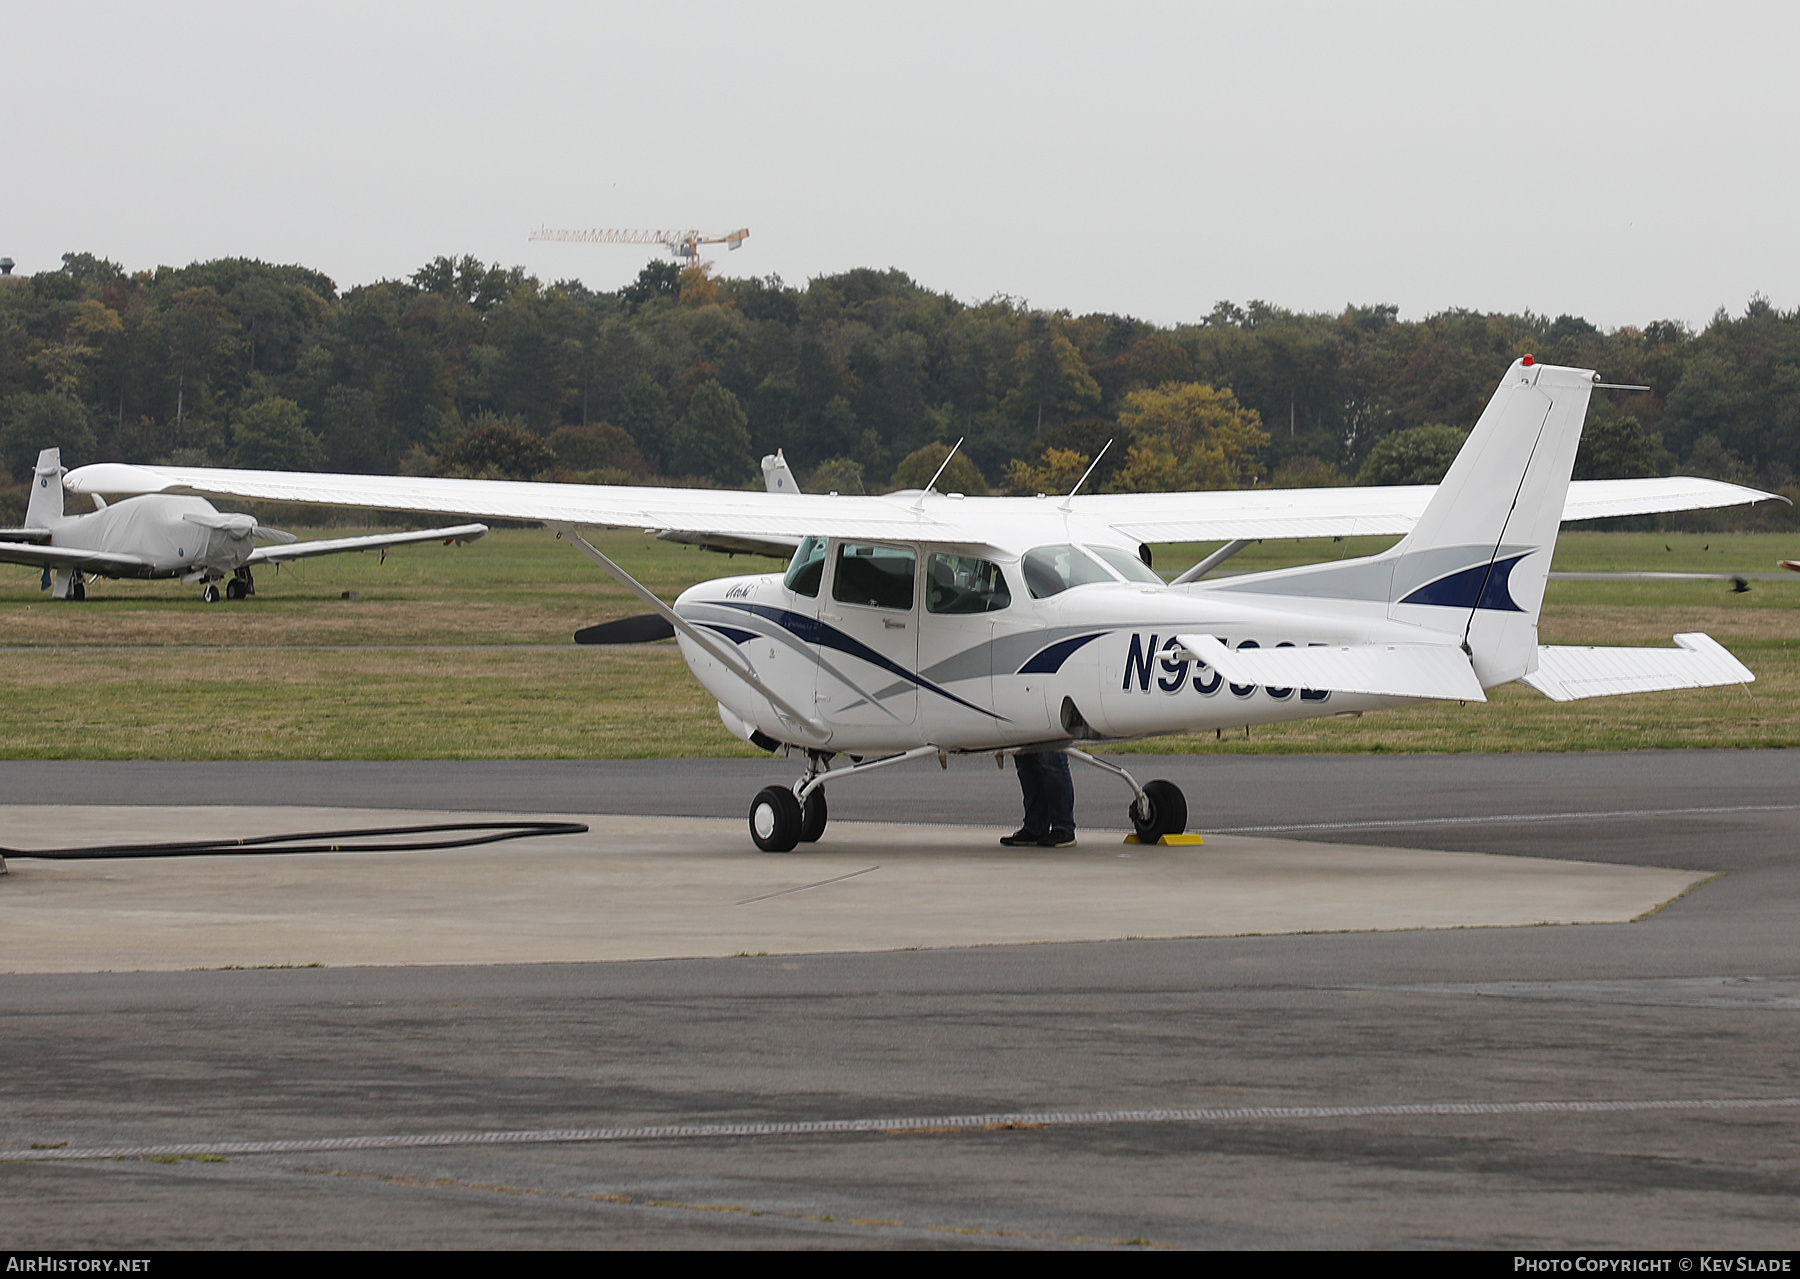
(862, 378)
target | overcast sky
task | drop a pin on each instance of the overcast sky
(1625, 162)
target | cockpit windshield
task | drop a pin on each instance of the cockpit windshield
(1127, 565)
(1051, 570)
(806, 568)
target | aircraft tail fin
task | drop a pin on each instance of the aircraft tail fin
(1475, 565)
(45, 507)
(1477, 561)
(777, 477)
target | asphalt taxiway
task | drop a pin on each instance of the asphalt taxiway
(1621, 1084)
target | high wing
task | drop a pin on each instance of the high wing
(1344, 512)
(779, 518)
(109, 562)
(376, 541)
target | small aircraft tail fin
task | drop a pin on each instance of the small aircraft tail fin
(1475, 565)
(45, 508)
(1477, 561)
(776, 475)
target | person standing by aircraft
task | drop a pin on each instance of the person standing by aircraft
(1049, 795)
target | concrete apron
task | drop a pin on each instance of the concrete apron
(668, 887)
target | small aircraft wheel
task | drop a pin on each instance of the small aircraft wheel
(234, 589)
(775, 819)
(813, 816)
(1167, 815)
(210, 594)
(78, 590)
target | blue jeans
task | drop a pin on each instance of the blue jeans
(1049, 793)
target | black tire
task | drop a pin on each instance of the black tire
(234, 589)
(813, 816)
(210, 594)
(775, 819)
(78, 590)
(1167, 816)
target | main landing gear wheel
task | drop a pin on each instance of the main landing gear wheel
(234, 589)
(813, 816)
(775, 819)
(78, 590)
(1167, 815)
(210, 594)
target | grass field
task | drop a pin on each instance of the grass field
(466, 653)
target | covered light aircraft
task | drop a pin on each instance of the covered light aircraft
(166, 536)
(922, 624)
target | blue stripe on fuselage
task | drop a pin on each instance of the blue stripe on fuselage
(1048, 661)
(812, 631)
(1484, 586)
(735, 634)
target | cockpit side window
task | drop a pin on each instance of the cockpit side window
(964, 584)
(1127, 565)
(806, 568)
(1051, 570)
(874, 576)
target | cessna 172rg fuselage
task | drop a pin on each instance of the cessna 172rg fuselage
(924, 624)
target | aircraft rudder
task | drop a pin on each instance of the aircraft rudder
(778, 477)
(45, 506)
(1478, 560)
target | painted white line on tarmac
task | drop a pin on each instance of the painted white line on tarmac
(898, 1125)
(1598, 815)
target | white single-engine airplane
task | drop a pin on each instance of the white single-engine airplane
(924, 624)
(163, 536)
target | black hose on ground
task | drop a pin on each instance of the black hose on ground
(326, 841)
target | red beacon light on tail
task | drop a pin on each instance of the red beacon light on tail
(1527, 361)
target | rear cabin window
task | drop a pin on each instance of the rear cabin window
(806, 568)
(1051, 570)
(874, 576)
(964, 584)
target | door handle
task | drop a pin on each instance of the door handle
(892, 625)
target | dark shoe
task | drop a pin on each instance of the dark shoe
(1057, 839)
(1023, 838)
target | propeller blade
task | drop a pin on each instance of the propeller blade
(646, 628)
(275, 535)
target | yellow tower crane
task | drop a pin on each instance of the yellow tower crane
(683, 244)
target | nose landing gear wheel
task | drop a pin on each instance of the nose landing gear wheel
(210, 594)
(1167, 815)
(775, 819)
(813, 816)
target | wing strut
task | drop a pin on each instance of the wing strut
(730, 660)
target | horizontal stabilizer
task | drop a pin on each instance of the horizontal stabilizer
(1568, 673)
(1382, 670)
